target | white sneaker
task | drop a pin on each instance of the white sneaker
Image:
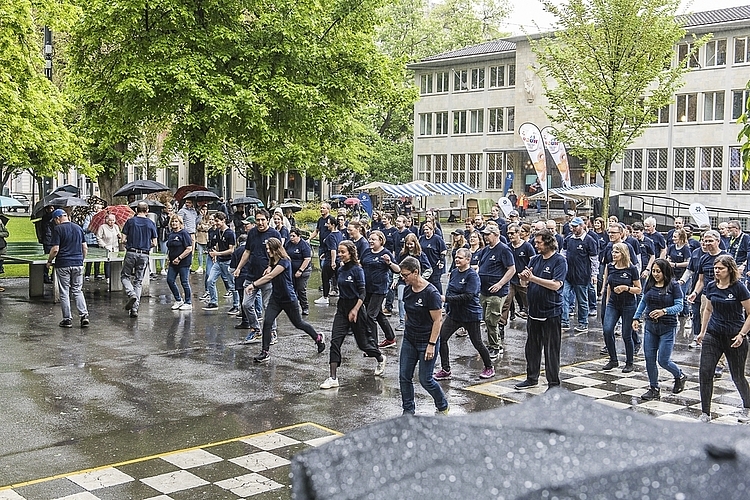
(186, 307)
(694, 345)
(322, 301)
(704, 418)
(380, 369)
(164, 272)
(330, 383)
(177, 304)
(199, 270)
(743, 416)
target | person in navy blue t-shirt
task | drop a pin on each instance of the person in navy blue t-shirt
(435, 250)
(301, 255)
(378, 264)
(329, 261)
(140, 235)
(350, 314)
(421, 337)
(283, 298)
(180, 257)
(582, 254)
(496, 268)
(522, 254)
(68, 251)
(544, 277)
(463, 311)
(725, 325)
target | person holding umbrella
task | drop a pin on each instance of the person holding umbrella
(140, 236)
(108, 235)
(180, 256)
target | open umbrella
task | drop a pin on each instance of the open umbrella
(338, 197)
(183, 190)
(38, 210)
(351, 201)
(151, 204)
(7, 202)
(121, 212)
(290, 206)
(201, 196)
(141, 186)
(247, 200)
(80, 213)
(68, 201)
(557, 445)
(67, 188)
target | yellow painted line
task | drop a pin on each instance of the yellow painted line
(168, 453)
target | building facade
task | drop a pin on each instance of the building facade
(473, 100)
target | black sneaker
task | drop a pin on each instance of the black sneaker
(210, 307)
(262, 357)
(320, 343)
(242, 326)
(494, 353)
(134, 313)
(66, 323)
(628, 368)
(679, 384)
(233, 311)
(129, 304)
(652, 394)
(525, 384)
(305, 312)
(611, 365)
(603, 351)
(85, 321)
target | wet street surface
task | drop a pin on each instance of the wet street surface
(171, 404)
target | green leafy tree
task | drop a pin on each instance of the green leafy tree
(744, 138)
(606, 72)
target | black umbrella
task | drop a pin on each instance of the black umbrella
(557, 445)
(68, 201)
(38, 210)
(67, 188)
(201, 196)
(247, 200)
(290, 206)
(151, 204)
(141, 186)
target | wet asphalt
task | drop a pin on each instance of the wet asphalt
(126, 388)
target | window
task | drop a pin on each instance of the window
(425, 124)
(683, 51)
(477, 78)
(441, 168)
(497, 118)
(741, 50)
(684, 169)
(460, 80)
(495, 175)
(739, 102)
(502, 76)
(441, 123)
(459, 122)
(662, 115)
(425, 84)
(736, 183)
(441, 82)
(687, 108)
(424, 167)
(511, 112)
(458, 168)
(656, 174)
(475, 170)
(476, 121)
(632, 170)
(711, 170)
(713, 106)
(716, 53)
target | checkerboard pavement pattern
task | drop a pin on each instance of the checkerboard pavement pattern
(255, 466)
(623, 391)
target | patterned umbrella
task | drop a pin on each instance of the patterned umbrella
(181, 192)
(121, 212)
(80, 213)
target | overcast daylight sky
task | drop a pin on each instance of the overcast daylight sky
(527, 12)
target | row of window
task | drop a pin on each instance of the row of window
(714, 53)
(468, 168)
(693, 169)
(469, 121)
(713, 106)
(494, 77)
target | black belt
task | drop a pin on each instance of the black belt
(135, 250)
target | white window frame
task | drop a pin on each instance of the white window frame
(424, 167)
(460, 80)
(442, 124)
(476, 121)
(495, 171)
(736, 169)
(656, 169)
(496, 117)
(458, 168)
(713, 106)
(477, 79)
(716, 53)
(687, 108)
(425, 124)
(739, 107)
(683, 50)
(460, 119)
(711, 168)
(442, 82)
(632, 170)
(475, 170)
(426, 82)
(684, 169)
(440, 168)
(741, 50)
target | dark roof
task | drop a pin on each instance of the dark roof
(475, 50)
(716, 16)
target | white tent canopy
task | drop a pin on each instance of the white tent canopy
(575, 193)
(420, 188)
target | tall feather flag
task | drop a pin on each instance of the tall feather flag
(557, 150)
(532, 139)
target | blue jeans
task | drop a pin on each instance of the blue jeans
(201, 253)
(413, 354)
(184, 273)
(582, 297)
(658, 343)
(685, 304)
(70, 282)
(401, 311)
(611, 316)
(220, 268)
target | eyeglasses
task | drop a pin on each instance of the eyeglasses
(261, 219)
(406, 275)
(613, 232)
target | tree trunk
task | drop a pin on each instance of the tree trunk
(113, 177)
(607, 182)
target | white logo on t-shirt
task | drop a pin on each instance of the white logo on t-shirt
(419, 302)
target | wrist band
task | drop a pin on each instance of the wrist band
(432, 343)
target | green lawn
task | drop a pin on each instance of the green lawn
(20, 229)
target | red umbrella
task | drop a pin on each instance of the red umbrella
(121, 212)
(181, 192)
(351, 201)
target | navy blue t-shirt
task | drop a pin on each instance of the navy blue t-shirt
(284, 232)
(390, 239)
(351, 281)
(728, 314)
(474, 262)
(224, 240)
(139, 231)
(69, 238)
(434, 248)
(657, 298)
(522, 256)
(398, 240)
(424, 264)
(283, 284)
(578, 252)
(658, 241)
(493, 263)
(460, 284)
(377, 272)
(331, 243)
(361, 244)
(418, 306)
(617, 277)
(646, 250)
(607, 254)
(739, 247)
(706, 266)
(323, 233)
(177, 242)
(543, 302)
(256, 248)
(298, 253)
(678, 256)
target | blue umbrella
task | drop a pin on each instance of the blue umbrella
(7, 202)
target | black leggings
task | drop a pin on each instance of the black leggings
(292, 312)
(375, 316)
(327, 274)
(711, 350)
(475, 335)
(362, 336)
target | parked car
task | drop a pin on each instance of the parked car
(24, 200)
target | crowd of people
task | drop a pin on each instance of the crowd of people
(653, 289)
